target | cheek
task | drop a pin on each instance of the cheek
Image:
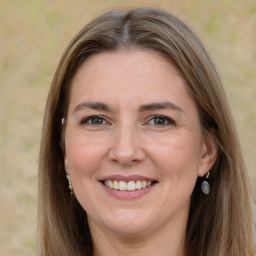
(179, 157)
(83, 156)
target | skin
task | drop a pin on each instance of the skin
(129, 139)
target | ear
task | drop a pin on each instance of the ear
(209, 154)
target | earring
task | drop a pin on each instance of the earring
(205, 185)
(69, 183)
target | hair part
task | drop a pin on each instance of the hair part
(219, 224)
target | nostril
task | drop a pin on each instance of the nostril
(125, 163)
(127, 157)
(126, 148)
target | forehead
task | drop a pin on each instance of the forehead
(136, 76)
(129, 60)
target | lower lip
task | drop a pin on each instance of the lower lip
(120, 194)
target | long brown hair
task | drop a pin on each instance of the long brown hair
(220, 223)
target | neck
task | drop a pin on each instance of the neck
(169, 241)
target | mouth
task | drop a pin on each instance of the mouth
(127, 187)
(127, 183)
(131, 185)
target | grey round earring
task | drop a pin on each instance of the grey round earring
(205, 185)
(69, 183)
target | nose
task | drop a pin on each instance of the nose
(126, 148)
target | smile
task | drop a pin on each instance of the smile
(127, 186)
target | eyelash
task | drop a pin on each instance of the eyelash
(90, 119)
(164, 118)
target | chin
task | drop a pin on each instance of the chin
(125, 223)
(129, 228)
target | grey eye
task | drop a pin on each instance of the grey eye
(160, 120)
(94, 120)
(97, 120)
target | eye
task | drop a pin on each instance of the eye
(160, 120)
(94, 120)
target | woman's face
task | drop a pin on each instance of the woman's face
(134, 145)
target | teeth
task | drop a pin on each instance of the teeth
(138, 184)
(131, 186)
(115, 185)
(127, 186)
(111, 185)
(122, 185)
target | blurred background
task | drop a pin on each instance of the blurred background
(33, 35)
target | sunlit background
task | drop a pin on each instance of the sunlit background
(33, 35)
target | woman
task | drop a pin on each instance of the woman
(138, 122)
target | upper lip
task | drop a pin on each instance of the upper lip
(126, 178)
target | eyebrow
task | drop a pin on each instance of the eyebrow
(147, 107)
(92, 105)
(160, 106)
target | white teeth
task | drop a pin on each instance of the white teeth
(111, 185)
(138, 184)
(127, 186)
(115, 185)
(131, 185)
(122, 185)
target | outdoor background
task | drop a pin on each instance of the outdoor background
(33, 35)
